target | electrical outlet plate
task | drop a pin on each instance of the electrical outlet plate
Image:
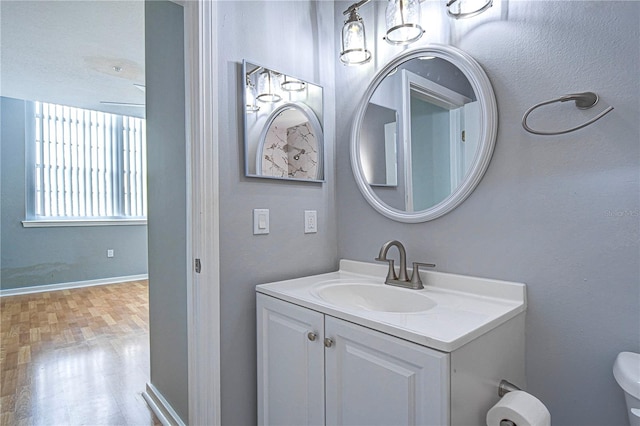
(110, 252)
(310, 221)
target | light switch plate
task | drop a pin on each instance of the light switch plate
(310, 221)
(260, 221)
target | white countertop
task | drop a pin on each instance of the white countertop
(466, 307)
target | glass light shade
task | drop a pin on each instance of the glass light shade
(354, 42)
(290, 84)
(250, 98)
(403, 21)
(467, 8)
(268, 87)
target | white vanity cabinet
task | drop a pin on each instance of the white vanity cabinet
(290, 364)
(343, 348)
(317, 369)
(372, 378)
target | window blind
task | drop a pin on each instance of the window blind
(88, 164)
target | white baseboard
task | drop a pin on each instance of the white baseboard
(161, 407)
(75, 284)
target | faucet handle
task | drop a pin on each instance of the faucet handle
(391, 274)
(416, 282)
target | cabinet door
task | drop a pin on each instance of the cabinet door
(290, 364)
(376, 379)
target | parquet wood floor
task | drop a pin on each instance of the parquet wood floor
(75, 357)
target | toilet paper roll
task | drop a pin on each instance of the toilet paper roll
(521, 408)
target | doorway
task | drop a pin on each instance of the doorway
(80, 54)
(201, 319)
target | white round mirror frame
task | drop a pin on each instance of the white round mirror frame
(488, 132)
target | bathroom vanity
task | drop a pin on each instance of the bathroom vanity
(344, 348)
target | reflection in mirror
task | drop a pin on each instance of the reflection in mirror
(288, 145)
(438, 127)
(438, 147)
(424, 134)
(378, 147)
(282, 126)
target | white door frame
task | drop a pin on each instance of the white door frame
(433, 93)
(203, 289)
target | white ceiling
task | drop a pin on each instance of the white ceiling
(65, 52)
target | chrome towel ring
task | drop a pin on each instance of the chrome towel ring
(584, 100)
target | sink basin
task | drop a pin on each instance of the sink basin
(451, 311)
(373, 297)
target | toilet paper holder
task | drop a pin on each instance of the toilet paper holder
(506, 387)
(503, 388)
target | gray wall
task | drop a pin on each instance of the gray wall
(294, 37)
(167, 217)
(558, 213)
(40, 256)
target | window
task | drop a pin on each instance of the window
(85, 165)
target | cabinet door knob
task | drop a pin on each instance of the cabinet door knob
(312, 336)
(328, 342)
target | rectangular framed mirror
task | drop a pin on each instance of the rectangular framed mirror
(283, 136)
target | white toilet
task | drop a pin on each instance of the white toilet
(626, 370)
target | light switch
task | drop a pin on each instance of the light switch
(260, 221)
(310, 221)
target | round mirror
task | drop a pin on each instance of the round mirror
(424, 133)
(290, 144)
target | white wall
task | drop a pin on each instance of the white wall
(558, 213)
(297, 38)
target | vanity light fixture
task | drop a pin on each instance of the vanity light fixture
(460, 9)
(402, 18)
(267, 87)
(290, 84)
(354, 43)
(250, 96)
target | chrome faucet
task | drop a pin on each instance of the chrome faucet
(401, 280)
